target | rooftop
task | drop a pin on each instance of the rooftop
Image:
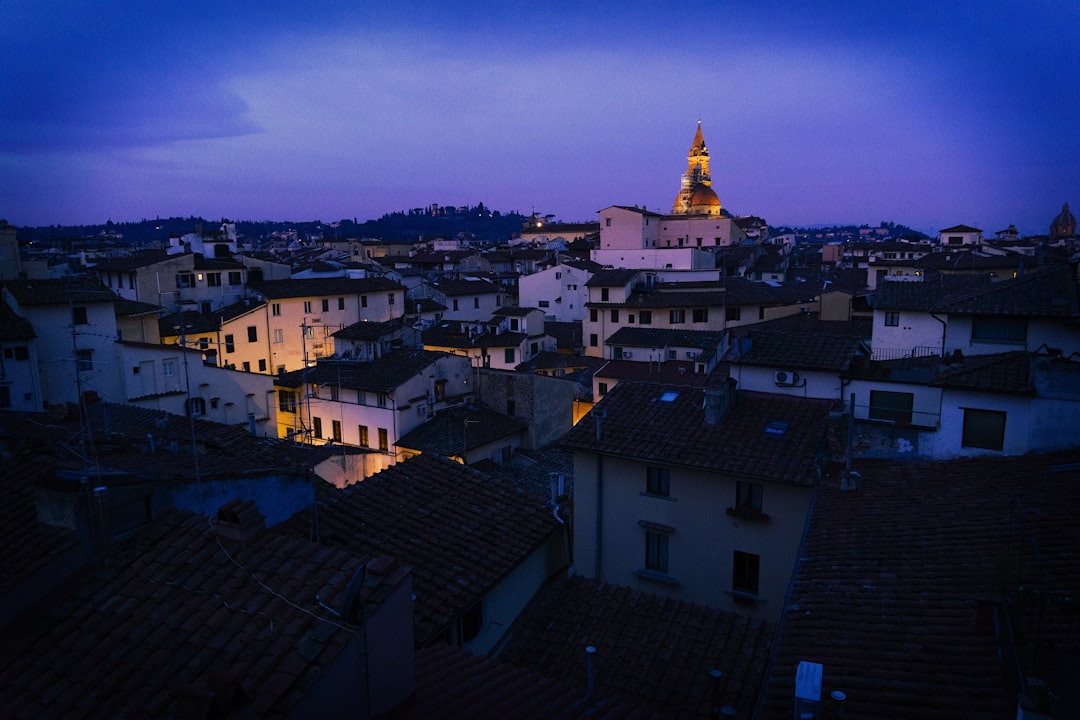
(740, 444)
(461, 530)
(178, 619)
(459, 429)
(896, 586)
(653, 651)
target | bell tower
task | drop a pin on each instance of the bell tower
(696, 196)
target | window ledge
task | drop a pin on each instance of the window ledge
(744, 598)
(656, 576)
(746, 514)
(658, 497)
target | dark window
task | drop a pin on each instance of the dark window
(262, 366)
(733, 314)
(656, 552)
(593, 315)
(276, 309)
(316, 424)
(286, 401)
(84, 360)
(78, 316)
(657, 481)
(476, 302)
(455, 303)
(645, 317)
(893, 406)
(22, 352)
(384, 439)
(746, 571)
(185, 280)
(630, 318)
(213, 279)
(748, 496)
(336, 430)
(892, 318)
(602, 389)
(326, 304)
(230, 344)
(615, 316)
(5, 396)
(471, 623)
(604, 293)
(984, 429)
(440, 390)
(677, 317)
(196, 407)
(594, 340)
(701, 315)
(253, 334)
(363, 436)
(236, 277)
(307, 307)
(511, 407)
(509, 355)
(986, 328)
(380, 399)
(390, 299)
(341, 303)
(363, 301)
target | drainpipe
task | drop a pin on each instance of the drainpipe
(943, 326)
(599, 514)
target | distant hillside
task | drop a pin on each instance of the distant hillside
(477, 221)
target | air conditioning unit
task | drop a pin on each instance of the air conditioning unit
(786, 377)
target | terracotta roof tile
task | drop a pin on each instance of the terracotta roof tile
(766, 436)
(652, 651)
(460, 428)
(131, 650)
(459, 530)
(896, 586)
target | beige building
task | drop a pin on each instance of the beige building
(699, 494)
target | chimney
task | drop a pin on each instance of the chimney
(718, 400)
(590, 668)
(238, 523)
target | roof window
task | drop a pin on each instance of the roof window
(776, 427)
(669, 396)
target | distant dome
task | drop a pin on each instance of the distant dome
(1064, 225)
(703, 199)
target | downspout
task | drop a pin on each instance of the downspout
(599, 514)
(943, 326)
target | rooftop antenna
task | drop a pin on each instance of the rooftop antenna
(190, 409)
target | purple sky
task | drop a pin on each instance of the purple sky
(926, 113)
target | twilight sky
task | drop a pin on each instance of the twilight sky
(927, 113)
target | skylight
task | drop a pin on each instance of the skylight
(776, 427)
(669, 396)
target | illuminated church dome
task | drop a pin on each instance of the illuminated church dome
(1064, 225)
(696, 196)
